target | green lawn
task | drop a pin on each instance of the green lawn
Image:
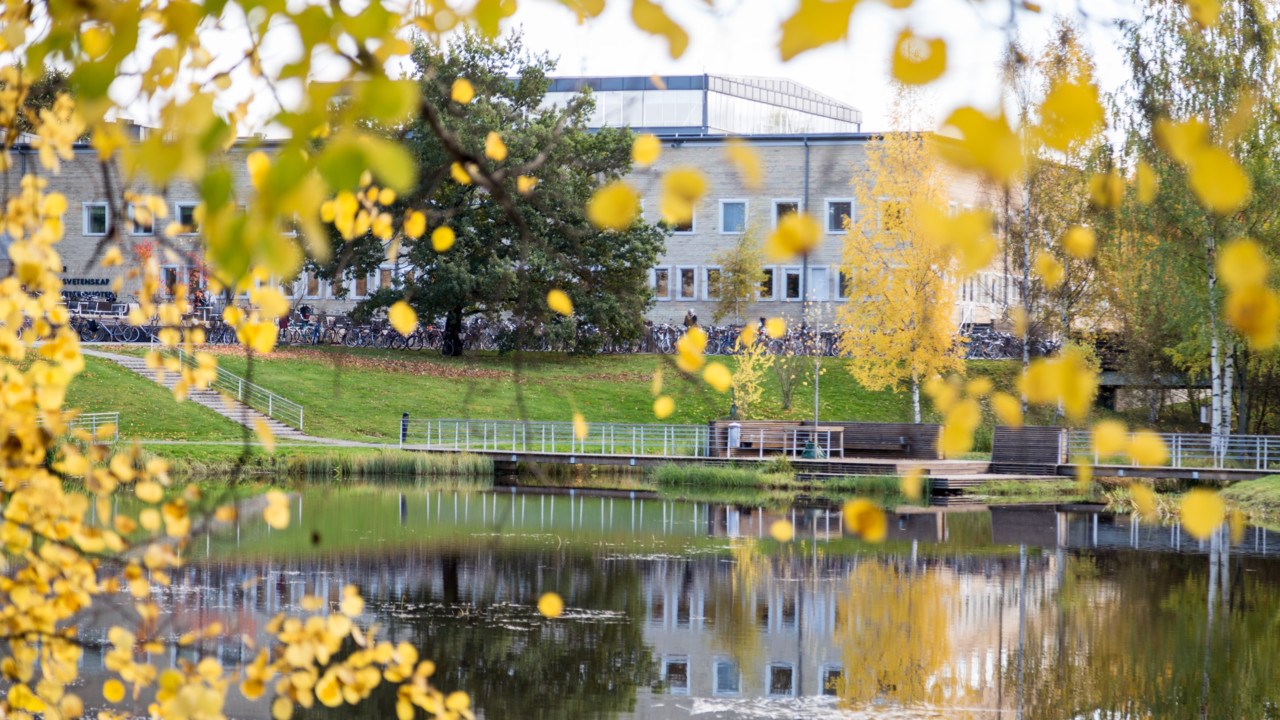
(1261, 496)
(146, 409)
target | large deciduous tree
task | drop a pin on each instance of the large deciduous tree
(509, 251)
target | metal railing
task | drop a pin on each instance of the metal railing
(93, 422)
(626, 439)
(1248, 452)
(255, 396)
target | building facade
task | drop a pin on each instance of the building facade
(811, 147)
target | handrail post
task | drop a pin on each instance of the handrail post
(404, 428)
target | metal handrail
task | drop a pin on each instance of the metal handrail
(625, 439)
(93, 421)
(249, 393)
(1188, 450)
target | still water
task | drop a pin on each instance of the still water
(689, 610)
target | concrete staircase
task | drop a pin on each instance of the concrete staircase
(224, 405)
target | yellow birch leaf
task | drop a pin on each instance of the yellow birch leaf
(550, 605)
(918, 60)
(459, 174)
(815, 23)
(1144, 500)
(462, 91)
(258, 164)
(866, 519)
(782, 531)
(1049, 270)
(1242, 264)
(442, 238)
(775, 327)
(645, 150)
(797, 233)
(1255, 313)
(1235, 521)
(1182, 139)
(402, 317)
(415, 224)
(525, 184)
(494, 148)
(580, 426)
(1070, 114)
(663, 407)
(718, 376)
(651, 18)
(682, 188)
(1106, 190)
(1080, 242)
(1145, 183)
(1110, 438)
(1218, 180)
(1202, 512)
(746, 161)
(112, 257)
(1008, 409)
(614, 206)
(265, 436)
(1147, 448)
(276, 513)
(1204, 12)
(559, 302)
(912, 484)
(113, 690)
(982, 143)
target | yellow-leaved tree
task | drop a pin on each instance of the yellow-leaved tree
(898, 326)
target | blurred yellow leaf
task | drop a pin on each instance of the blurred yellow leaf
(559, 302)
(1144, 500)
(682, 188)
(1218, 180)
(1147, 448)
(415, 224)
(462, 91)
(718, 376)
(1243, 264)
(866, 519)
(796, 234)
(1106, 190)
(1049, 270)
(1182, 140)
(579, 426)
(459, 174)
(614, 206)
(442, 238)
(1110, 438)
(525, 184)
(1255, 313)
(1070, 114)
(918, 60)
(815, 23)
(982, 143)
(1204, 12)
(550, 605)
(276, 513)
(782, 531)
(645, 150)
(113, 690)
(651, 18)
(1080, 242)
(663, 406)
(775, 327)
(746, 161)
(912, 484)
(403, 318)
(1145, 183)
(1202, 512)
(494, 148)
(265, 436)
(1008, 409)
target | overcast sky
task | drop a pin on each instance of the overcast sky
(742, 37)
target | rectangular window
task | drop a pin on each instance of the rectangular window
(782, 680)
(384, 278)
(96, 220)
(682, 228)
(313, 286)
(662, 283)
(185, 214)
(839, 215)
(818, 289)
(362, 286)
(711, 284)
(728, 680)
(733, 216)
(783, 208)
(141, 220)
(676, 672)
(688, 284)
(791, 284)
(832, 679)
(766, 285)
(844, 286)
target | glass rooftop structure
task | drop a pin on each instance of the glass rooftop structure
(709, 105)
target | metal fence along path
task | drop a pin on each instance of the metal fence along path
(1191, 451)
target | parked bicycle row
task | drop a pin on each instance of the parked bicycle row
(308, 328)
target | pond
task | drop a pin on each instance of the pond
(689, 610)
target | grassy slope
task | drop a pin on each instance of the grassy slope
(1256, 496)
(146, 409)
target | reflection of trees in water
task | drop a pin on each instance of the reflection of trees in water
(891, 625)
(1138, 644)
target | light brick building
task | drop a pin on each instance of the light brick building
(810, 145)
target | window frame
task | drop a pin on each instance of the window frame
(746, 209)
(808, 285)
(135, 231)
(768, 678)
(715, 677)
(653, 282)
(194, 227)
(106, 218)
(853, 213)
(309, 278)
(693, 225)
(798, 202)
(799, 272)
(823, 672)
(706, 281)
(667, 661)
(842, 287)
(772, 272)
(679, 285)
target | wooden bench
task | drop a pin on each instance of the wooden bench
(761, 437)
(1028, 450)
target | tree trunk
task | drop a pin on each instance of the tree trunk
(452, 345)
(1215, 359)
(1026, 288)
(1242, 402)
(915, 396)
(1228, 385)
